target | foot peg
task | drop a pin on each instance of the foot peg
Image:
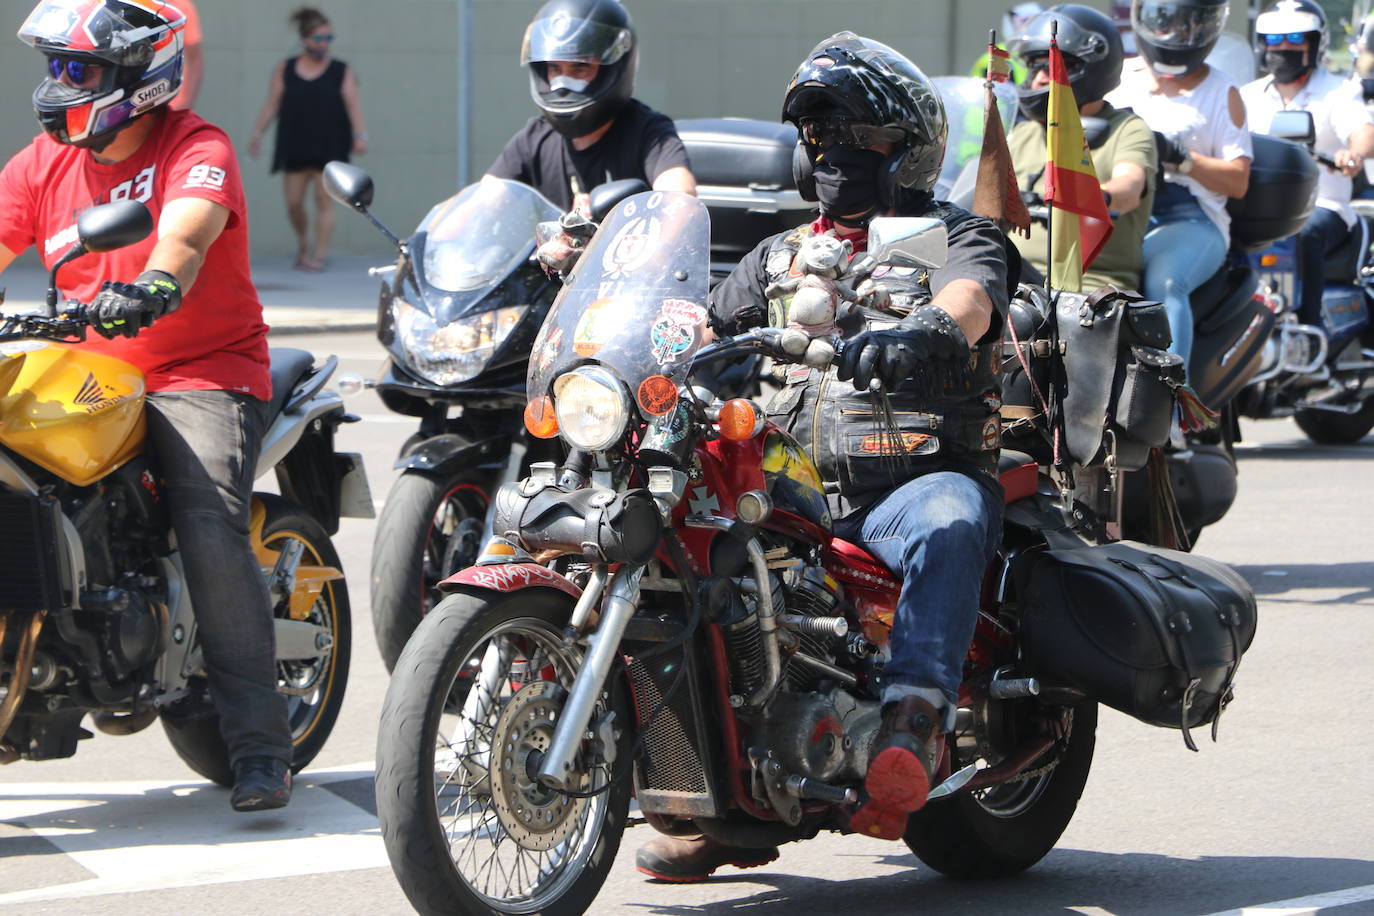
(954, 783)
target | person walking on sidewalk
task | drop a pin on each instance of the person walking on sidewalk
(315, 101)
(205, 360)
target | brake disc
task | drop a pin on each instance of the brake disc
(534, 816)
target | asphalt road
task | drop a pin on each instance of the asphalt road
(1281, 811)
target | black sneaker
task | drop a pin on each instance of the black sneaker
(260, 784)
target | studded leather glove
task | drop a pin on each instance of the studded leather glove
(124, 309)
(892, 355)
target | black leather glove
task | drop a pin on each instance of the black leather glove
(929, 334)
(124, 309)
(1170, 149)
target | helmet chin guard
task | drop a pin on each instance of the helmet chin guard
(581, 31)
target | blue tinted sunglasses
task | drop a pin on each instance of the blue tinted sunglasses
(77, 70)
(1295, 38)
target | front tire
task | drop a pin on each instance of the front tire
(466, 828)
(1005, 829)
(314, 688)
(1326, 427)
(414, 549)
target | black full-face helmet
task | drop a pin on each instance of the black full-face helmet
(136, 49)
(1092, 51)
(863, 86)
(1288, 18)
(590, 31)
(1175, 36)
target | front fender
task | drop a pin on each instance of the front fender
(510, 577)
(441, 454)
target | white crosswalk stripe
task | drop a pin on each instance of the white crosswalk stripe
(139, 836)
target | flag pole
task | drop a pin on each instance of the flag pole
(1049, 205)
(987, 71)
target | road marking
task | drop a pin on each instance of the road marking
(388, 418)
(142, 836)
(1303, 906)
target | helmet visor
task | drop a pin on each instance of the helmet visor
(1178, 26)
(564, 37)
(80, 27)
(1073, 39)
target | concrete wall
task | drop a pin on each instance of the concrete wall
(698, 58)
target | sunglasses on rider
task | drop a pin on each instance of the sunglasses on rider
(322, 39)
(1293, 38)
(828, 132)
(77, 70)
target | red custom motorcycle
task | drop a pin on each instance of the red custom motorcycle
(668, 614)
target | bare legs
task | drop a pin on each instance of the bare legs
(296, 186)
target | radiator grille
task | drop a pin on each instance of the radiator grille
(669, 761)
(28, 553)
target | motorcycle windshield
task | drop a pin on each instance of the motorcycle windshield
(475, 239)
(964, 101)
(636, 302)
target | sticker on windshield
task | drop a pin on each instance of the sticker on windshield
(633, 245)
(676, 329)
(657, 395)
(549, 350)
(594, 328)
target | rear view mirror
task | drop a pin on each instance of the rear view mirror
(115, 225)
(908, 241)
(604, 197)
(349, 185)
(1293, 125)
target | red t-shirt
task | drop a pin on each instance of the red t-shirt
(217, 339)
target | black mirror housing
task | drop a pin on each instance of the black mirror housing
(604, 197)
(114, 225)
(348, 184)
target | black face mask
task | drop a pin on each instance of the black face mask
(1286, 66)
(847, 181)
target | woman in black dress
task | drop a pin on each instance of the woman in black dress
(314, 100)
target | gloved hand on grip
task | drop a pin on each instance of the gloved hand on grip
(892, 355)
(1171, 148)
(124, 309)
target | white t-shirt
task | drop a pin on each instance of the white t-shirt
(1200, 117)
(1337, 107)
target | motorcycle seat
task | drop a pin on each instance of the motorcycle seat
(288, 366)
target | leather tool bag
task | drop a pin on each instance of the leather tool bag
(1155, 633)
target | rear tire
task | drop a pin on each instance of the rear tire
(447, 829)
(1006, 829)
(314, 688)
(411, 550)
(1327, 428)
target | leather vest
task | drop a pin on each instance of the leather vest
(865, 446)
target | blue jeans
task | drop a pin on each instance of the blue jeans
(938, 533)
(1324, 232)
(1182, 250)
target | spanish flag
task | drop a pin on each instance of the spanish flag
(1071, 186)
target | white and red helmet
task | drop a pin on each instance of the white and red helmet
(138, 45)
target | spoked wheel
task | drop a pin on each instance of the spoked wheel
(467, 826)
(430, 528)
(1007, 828)
(313, 685)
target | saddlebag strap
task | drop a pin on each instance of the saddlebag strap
(1091, 354)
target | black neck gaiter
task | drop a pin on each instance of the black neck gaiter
(847, 181)
(1286, 66)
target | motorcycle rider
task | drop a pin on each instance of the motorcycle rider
(111, 68)
(1205, 148)
(1291, 37)
(1123, 146)
(582, 57)
(915, 484)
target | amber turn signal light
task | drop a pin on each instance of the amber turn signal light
(540, 419)
(739, 420)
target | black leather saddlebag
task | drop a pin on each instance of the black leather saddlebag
(1154, 633)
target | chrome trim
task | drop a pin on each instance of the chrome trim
(768, 625)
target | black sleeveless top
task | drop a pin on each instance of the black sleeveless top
(312, 125)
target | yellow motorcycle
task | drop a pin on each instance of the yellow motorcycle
(95, 615)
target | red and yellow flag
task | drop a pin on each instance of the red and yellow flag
(1071, 186)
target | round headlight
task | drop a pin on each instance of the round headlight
(592, 407)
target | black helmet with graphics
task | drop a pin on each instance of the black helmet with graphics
(854, 83)
(121, 60)
(1091, 44)
(589, 31)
